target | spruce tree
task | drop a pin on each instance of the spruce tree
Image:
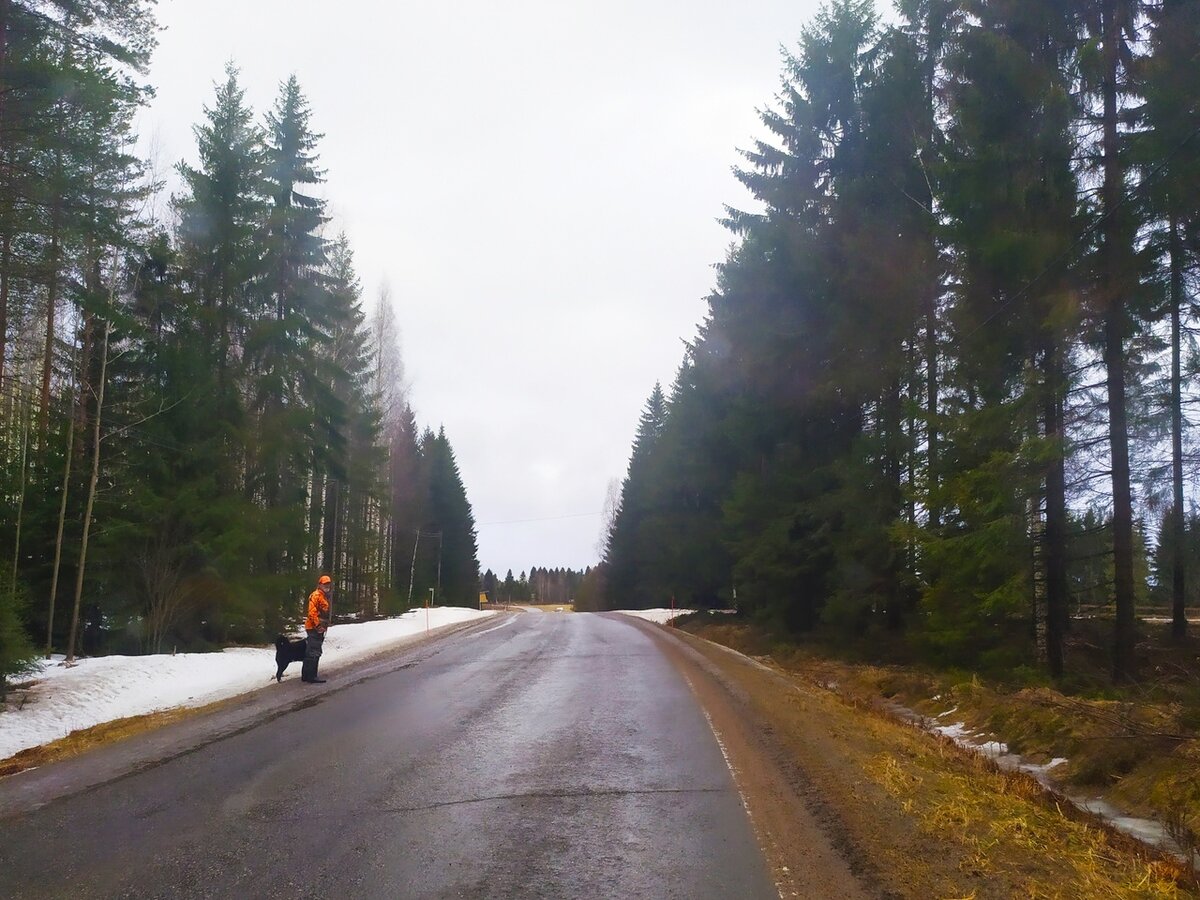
(1168, 155)
(284, 335)
(221, 216)
(449, 515)
(1107, 72)
(1013, 112)
(632, 553)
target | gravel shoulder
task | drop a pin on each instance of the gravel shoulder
(842, 794)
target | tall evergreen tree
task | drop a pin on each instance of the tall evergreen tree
(282, 339)
(347, 459)
(1168, 154)
(449, 515)
(221, 217)
(632, 543)
(1108, 73)
(1012, 111)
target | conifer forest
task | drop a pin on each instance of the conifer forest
(196, 416)
(945, 388)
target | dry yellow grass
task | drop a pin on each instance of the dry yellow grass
(1143, 757)
(941, 821)
(86, 739)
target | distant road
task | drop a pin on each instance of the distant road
(552, 756)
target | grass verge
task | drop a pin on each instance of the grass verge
(940, 821)
(86, 739)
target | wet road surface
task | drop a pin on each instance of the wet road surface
(532, 755)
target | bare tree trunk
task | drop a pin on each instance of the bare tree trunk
(68, 455)
(931, 409)
(1178, 608)
(329, 549)
(316, 495)
(51, 308)
(91, 498)
(891, 411)
(20, 505)
(1124, 628)
(5, 264)
(87, 352)
(5, 186)
(1112, 289)
(1055, 556)
(412, 572)
(5, 10)
(934, 28)
(161, 570)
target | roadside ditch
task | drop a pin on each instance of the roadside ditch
(949, 812)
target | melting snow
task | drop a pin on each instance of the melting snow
(104, 688)
(1146, 830)
(661, 616)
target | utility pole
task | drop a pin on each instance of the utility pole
(412, 572)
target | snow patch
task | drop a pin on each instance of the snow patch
(660, 616)
(100, 689)
(1146, 830)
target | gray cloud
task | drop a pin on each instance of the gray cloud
(539, 184)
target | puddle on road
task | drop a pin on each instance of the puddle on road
(1148, 831)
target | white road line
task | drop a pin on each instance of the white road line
(729, 765)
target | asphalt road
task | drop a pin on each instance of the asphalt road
(532, 755)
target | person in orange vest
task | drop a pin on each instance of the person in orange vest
(315, 624)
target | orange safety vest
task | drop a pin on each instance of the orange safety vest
(318, 611)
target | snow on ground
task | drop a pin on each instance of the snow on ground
(104, 688)
(661, 616)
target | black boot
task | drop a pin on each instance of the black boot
(308, 672)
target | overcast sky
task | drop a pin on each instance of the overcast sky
(538, 181)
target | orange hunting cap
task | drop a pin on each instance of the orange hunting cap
(324, 579)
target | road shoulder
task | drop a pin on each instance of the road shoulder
(809, 852)
(905, 813)
(114, 750)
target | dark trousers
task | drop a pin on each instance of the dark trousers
(312, 655)
(315, 640)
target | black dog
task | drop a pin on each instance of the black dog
(288, 652)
